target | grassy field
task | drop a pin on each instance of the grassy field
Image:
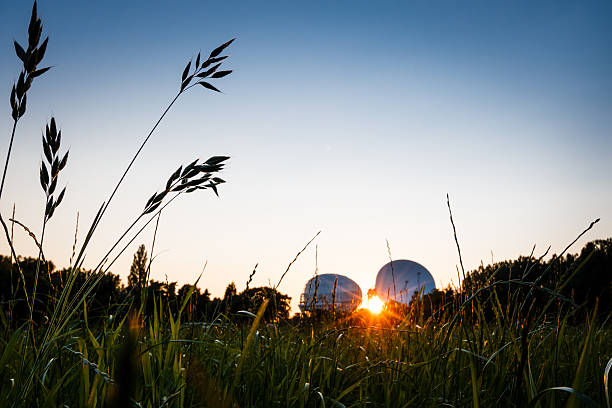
(358, 361)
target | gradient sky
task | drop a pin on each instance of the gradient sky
(353, 118)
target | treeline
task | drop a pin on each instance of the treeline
(527, 286)
(111, 297)
(532, 286)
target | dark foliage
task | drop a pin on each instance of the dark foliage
(109, 293)
(537, 286)
(138, 271)
(112, 297)
(531, 286)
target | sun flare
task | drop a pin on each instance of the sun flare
(374, 304)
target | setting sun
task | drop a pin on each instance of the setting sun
(374, 304)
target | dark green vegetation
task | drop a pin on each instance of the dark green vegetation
(110, 297)
(489, 343)
(520, 333)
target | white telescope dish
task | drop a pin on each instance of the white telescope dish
(400, 280)
(330, 291)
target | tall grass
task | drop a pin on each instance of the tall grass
(460, 359)
(40, 342)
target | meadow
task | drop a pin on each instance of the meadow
(467, 350)
(523, 337)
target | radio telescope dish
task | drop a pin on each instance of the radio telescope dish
(319, 293)
(400, 280)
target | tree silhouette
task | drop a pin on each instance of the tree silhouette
(251, 300)
(228, 297)
(138, 270)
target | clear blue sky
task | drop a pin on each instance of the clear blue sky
(354, 118)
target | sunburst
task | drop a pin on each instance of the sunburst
(374, 304)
